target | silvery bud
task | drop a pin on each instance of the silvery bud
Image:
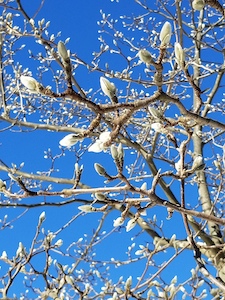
(100, 196)
(42, 217)
(99, 169)
(165, 34)
(198, 163)
(156, 113)
(145, 56)
(114, 152)
(128, 283)
(63, 51)
(120, 150)
(198, 4)
(107, 87)
(70, 140)
(30, 83)
(86, 208)
(179, 54)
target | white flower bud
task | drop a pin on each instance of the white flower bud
(179, 54)
(128, 283)
(157, 127)
(86, 208)
(118, 222)
(100, 196)
(114, 152)
(62, 51)
(144, 186)
(20, 250)
(145, 56)
(69, 280)
(59, 243)
(156, 113)
(30, 83)
(165, 34)
(131, 224)
(120, 150)
(107, 87)
(70, 140)
(99, 169)
(42, 217)
(4, 255)
(198, 4)
(197, 163)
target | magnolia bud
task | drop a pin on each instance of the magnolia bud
(156, 113)
(70, 140)
(179, 54)
(198, 163)
(100, 196)
(62, 51)
(30, 83)
(165, 34)
(145, 56)
(107, 87)
(120, 150)
(86, 208)
(198, 4)
(42, 217)
(131, 224)
(114, 152)
(118, 222)
(99, 169)
(128, 283)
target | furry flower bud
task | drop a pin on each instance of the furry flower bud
(107, 87)
(145, 56)
(179, 54)
(165, 34)
(198, 4)
(62, 51)
(30, 83)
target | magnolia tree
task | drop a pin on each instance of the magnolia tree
(126, 201)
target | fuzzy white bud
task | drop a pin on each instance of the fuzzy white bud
(107, 87)
(179, 54)
(145, 56)
(86, 208)
(42, 217)
(165, 34)
(198, 4)
(62, 51)
(70, 140)
(30, 83)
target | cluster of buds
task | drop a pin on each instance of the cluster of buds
(165, 36)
